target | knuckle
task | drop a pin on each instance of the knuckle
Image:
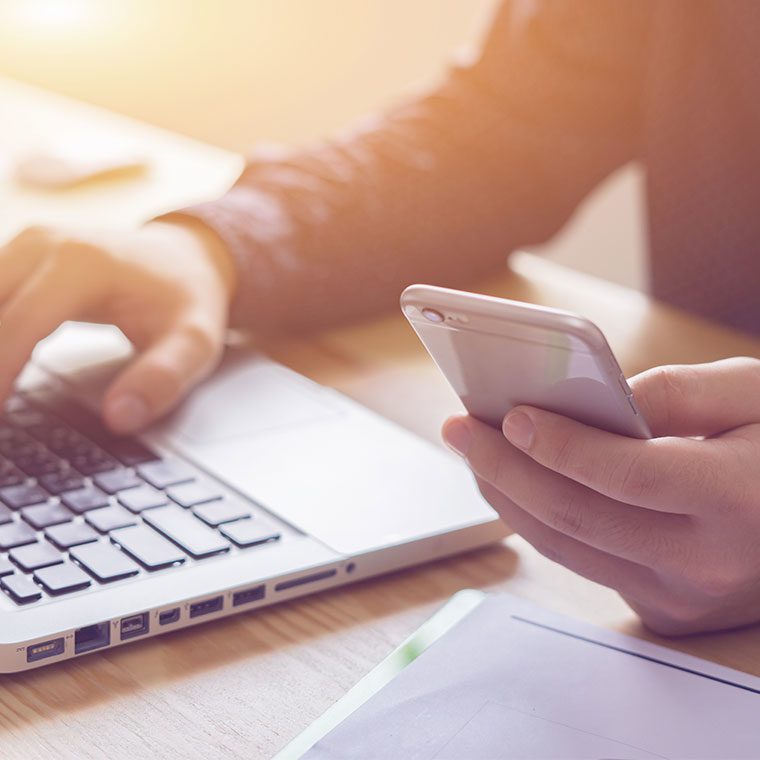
(669, 390)
(667, 550)
(633, 478)
(77, 253)
(33, 235)
(681, 383)
(717, 581)
(673, 611)
(203, 339)
(677, 618)
(568, 516)
(564, 455)
(735, 498)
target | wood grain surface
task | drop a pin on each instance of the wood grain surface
(243, 687)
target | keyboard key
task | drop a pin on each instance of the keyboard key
(104, 561)
(5, 514)
(93, 462)
(139, 499)
(119, 479)
(20, 588)
(6, 568)
(190, 494)
(110, 518)
(67, 443)
(65, 407)
(38, 463)
(149, 548)
(35, 556)
(130, 452)
(63, 480)
(85, 499)
(15, 443)
(62, 579)
(250, 532)
(89, 447)
(22, 496)
(219, 512)
(46, 432)
(27, 417)
(186, 531)
(165, 473)
(42, 516)
(71, 534)
(16, 534)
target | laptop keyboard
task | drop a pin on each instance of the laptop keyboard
(81, 508)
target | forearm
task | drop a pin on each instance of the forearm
(442, 188)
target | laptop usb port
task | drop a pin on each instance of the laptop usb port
(45, 649)
(167, 617)
(134, 625)
(248, 595)
(207, 606)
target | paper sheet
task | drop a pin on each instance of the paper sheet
(512, 680)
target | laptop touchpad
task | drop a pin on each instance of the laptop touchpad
(248, 396)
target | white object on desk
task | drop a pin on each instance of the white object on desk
(73, 160)
(512, 680)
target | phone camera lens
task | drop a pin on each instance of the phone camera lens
(432, 315)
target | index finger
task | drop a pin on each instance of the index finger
(666, 474)
(699, 399)
(51, 295)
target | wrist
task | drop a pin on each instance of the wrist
(195, 235)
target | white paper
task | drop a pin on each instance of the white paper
(512, 680)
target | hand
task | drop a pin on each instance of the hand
(672, 523)
(167, 286)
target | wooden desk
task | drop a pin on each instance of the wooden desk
(245, 686)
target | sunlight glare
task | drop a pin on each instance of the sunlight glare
(53, 14)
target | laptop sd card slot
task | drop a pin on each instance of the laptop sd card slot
(304, 579)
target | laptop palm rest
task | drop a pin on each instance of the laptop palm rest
(325, 464)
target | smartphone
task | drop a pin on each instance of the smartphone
(497, 354)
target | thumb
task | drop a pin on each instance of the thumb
(160, 376)
(699, 399)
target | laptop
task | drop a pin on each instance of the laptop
(262, 487)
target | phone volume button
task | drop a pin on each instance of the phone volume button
(624, 385)
(633, 406)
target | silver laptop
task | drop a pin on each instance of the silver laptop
(264, 486)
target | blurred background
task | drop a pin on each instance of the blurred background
(233, 72)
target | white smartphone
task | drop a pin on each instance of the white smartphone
(497, 354)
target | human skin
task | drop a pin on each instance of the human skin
(167, 286)
(671, 523)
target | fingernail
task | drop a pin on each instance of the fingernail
(519, 430)
(457, 435)
(128, 413)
